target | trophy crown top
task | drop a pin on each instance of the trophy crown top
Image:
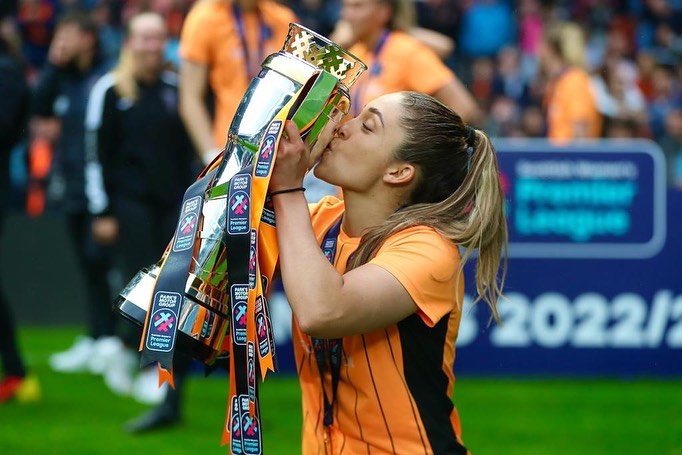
(326, 55)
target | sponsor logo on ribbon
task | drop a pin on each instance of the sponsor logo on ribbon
(251, 370)
(267, 150)
(239, 205)
(268, 215)
(187, 225)
(238, 296)
(235, 428)
(253, 257)
(161, 333)
(251, 434)
(262, 328)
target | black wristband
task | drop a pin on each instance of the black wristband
(288, 190)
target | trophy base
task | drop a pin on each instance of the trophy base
(200, 329)
(185, 343)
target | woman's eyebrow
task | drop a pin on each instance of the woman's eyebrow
(376, 112)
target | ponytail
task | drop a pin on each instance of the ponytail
(469, 212)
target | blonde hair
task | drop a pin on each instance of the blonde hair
(404, 16)
(568, 41)
(457, 194)
(124, 72)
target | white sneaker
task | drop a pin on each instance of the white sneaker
(119, 370)
(75, 359)
(146, 387)
(105, 350)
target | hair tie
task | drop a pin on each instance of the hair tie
(471, 135)
(471, 139)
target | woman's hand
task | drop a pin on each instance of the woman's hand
(291, 164)
(105, 230)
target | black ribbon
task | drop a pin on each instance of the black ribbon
(169, 290)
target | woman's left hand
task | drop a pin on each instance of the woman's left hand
(291, 164)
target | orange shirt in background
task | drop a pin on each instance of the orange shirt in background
(402, 63)
(395, 388)
(569, 101)
(210, 37)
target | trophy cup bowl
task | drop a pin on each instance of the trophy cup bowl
(319, 73)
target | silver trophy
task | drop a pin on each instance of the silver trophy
(319, 74)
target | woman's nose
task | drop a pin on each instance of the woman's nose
(340, 130)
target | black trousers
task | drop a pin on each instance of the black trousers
(96, 263)
(12, 363)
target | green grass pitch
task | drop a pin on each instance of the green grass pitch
(78, 414)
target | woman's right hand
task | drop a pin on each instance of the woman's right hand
(291, 164)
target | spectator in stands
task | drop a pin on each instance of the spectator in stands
(487, 27)
(666, 97)
(317, 15)
(532, 122)
(569, 101)
(671, 143)
(618, 97)
(509, 79)
(36, 19)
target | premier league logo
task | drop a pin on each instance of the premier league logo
(267, 150)
(239, 205)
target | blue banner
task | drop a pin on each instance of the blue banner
(593, 286)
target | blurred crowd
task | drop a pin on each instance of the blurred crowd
(630, 49)
(97, 78)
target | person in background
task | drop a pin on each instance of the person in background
(222, 46)
(618, 100)
(141, 161)
(396, 60)
(377, 315)
(15, 382)
(58, 115)
(666, 97)
(671, 143)
(569, 101)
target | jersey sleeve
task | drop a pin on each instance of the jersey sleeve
(427, 266)
(195, 40)
(426, 72)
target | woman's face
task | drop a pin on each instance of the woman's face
(362, 148)
(147, 42)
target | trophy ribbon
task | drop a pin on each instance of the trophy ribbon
(251, 327)
(160, 330)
